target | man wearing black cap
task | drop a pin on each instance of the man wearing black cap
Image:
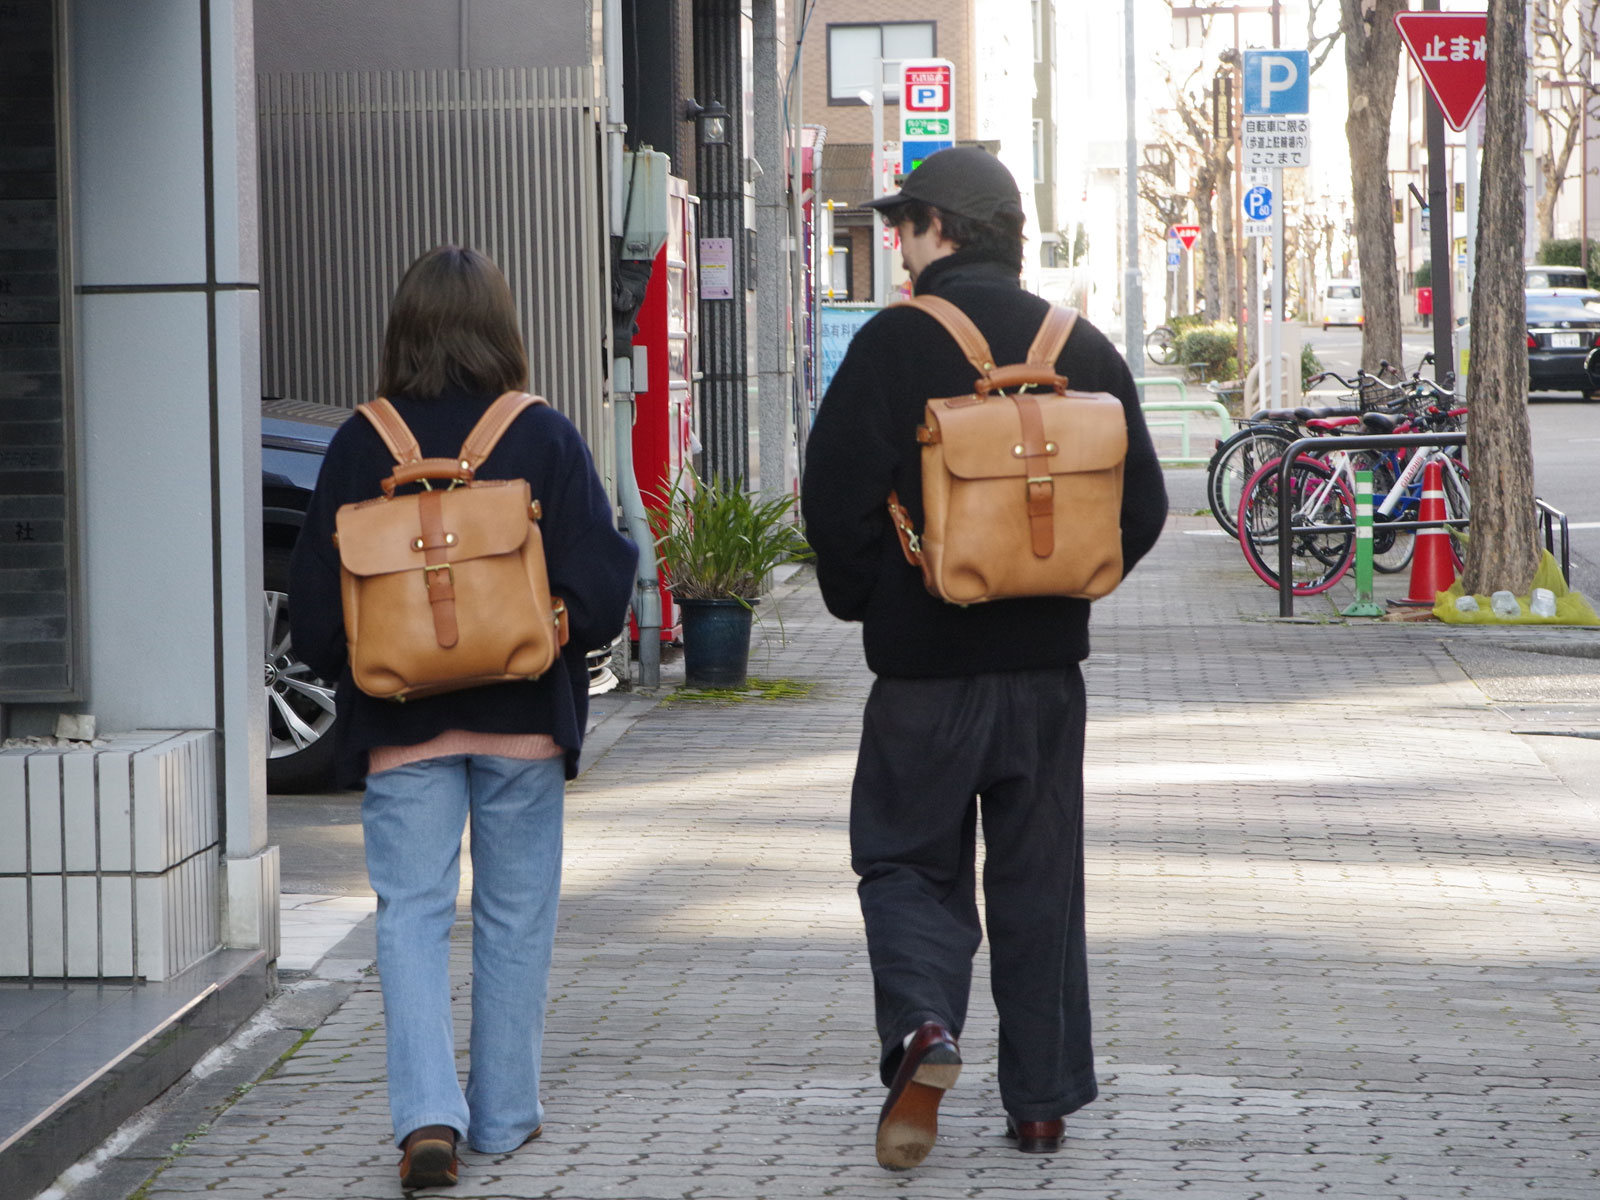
(970, 702)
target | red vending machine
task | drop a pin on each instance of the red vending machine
(665, 419)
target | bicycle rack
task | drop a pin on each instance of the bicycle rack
(1548, 515)
(1376, 441)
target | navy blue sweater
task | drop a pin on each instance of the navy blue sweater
(591, 567)
(863, 444)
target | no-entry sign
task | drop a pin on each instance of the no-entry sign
(1451, 51)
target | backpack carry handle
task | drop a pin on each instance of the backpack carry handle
(424, 469)
(1021, 375)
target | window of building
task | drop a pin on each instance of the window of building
(853, 52)
(1038, 151)
(1038, 30)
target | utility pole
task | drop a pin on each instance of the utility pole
(1132, 291)
(1444, 325)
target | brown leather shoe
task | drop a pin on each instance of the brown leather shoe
(909, 1122)
(428, 1158)
(1036, 1137)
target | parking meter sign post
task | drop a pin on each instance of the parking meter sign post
(1277, 94)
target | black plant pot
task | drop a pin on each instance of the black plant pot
(716, 643)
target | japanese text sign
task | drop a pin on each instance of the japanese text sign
(929, 86)
(1450, 49)
(927, 109)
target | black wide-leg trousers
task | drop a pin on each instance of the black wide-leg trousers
(932, 751)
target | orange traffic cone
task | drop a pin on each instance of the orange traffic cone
(1432, 568)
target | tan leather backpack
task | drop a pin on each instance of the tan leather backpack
(446, 588)
(1021, 489)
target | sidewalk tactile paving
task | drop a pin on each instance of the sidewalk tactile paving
(1342, 925)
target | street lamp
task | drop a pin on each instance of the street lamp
(711, 122)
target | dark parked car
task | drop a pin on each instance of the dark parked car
(294, 437)
(1563, 327)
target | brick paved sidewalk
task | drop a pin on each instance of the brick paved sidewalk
(1342, 926)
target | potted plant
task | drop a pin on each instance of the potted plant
(718, 544)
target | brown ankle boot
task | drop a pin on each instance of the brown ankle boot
(428, 1157)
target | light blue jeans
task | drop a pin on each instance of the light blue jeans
(413, 817)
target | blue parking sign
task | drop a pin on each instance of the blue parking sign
(1277, 83)
(1258, 204)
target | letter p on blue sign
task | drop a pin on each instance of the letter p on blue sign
(1277, 83)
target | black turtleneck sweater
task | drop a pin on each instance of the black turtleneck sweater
(863, 445)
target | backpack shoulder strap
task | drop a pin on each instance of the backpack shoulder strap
(495, 421)
(960, 327)
(396, 434)
(1053, 333)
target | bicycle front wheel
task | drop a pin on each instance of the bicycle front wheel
(1315, 497)
(1161, 344)
(1391, 548)
(1232, 465)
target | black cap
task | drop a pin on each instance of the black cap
(963, 179)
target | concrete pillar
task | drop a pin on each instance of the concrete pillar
(167, 274)
(774, 346)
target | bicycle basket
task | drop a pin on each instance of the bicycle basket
(1372, 394)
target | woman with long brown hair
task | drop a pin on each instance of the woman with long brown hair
(498, 755)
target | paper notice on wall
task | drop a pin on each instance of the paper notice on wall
(716, 268)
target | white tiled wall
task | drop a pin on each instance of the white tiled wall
(109, 863)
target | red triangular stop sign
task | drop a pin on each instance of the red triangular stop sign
(1186, 234)
(1450, 49)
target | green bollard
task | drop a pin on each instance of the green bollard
(1364, 605)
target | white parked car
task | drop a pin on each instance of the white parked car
(1341, 303)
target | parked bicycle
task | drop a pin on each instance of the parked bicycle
(1267, 434)
(1161, 345)
(1320, 491)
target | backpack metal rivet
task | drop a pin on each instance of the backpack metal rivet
(416, 543)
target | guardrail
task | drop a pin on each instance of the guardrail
(1549, 517)
(1184, 405)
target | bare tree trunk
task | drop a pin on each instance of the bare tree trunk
(1544, 208)
(1504, 549)
(1553, 173)
(1227, 258)
(1208, 242)
(1372, 62)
